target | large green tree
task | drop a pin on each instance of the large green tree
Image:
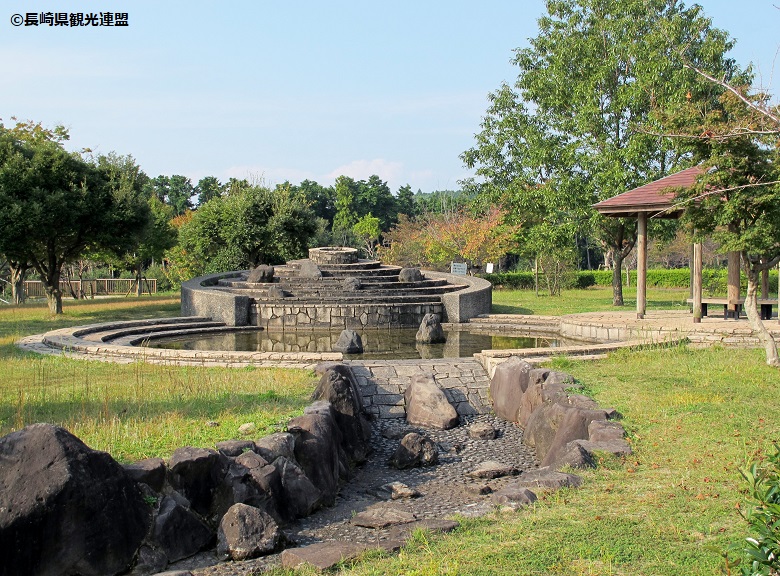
(578, 122)
(56, 205)
(248, 227)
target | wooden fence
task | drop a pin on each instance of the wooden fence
(89, 288)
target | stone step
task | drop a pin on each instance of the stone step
(359, 265)
(85, 331)
(139, 339)
(114, 333)
(346, 299)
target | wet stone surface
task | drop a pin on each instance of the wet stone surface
(446, 489)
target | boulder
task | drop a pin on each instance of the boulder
(351, 284)
(233, 448)
(262, 273)
(430, 331)
(410, 275)
(426, 404)
(274, 445)
(605, 431)
(318, 448)
(150, 471)
(61, 501)
(482, 431)
(491, 469)
(300, 496)
(276, 293)
(574, 455)
(397, 491)
(349, 342)
(547, 479)
(537, 394)
(178, 531)
(514, 497)
(542, 427)
(573, 426)
(509, 383)
(309, 269)
(196, 473)
(247, 532)
(268, 485)
(249, 480)
(322, 556)
(415, 450)
(381, 516)
(339, 387)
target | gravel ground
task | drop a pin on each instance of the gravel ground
(443, 487)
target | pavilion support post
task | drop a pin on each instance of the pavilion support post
(641, 266)
(733, 286)
(696, 284)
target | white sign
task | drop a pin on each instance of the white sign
(489, 268)
(459, 268)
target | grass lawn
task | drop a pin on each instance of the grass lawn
(594, 299)
(694, 417)
(135, 410)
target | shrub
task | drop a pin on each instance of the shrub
(759, 554)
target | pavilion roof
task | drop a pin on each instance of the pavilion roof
(656, 198)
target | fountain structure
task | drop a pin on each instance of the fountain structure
(333, 289)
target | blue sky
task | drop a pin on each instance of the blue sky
(291, 90)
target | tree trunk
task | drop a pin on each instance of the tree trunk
(754, 318)
(53, 293)
(617, 279)
(18, 273)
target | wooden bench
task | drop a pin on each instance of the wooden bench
(765, 304)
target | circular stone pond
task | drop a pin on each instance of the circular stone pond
(378, 344)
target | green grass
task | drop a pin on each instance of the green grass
(694, 417)
(594, 299)
(135, 410)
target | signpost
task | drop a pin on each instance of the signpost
(459, 268)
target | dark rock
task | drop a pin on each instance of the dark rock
(509, 383)
(482, 431)
(349, 342)
(339, 387)
(277, 293)
(491, 469)
(274, 445)
(410, 275)
(300, 496)
(150, 471)
(573, 426)
(247, 532)
(196, 472)
(262, 273)
(430, 330)
(426, 404)
(318, 448)
(514, 497)
(178, 531)
(381, 516)
(537, 395)
(479, 489)
(547, 479)
(574, 455)
(309, 269)
(415, 450)
(605, 431)
(239, 486)
(233, 448)
(613, 447)
(269, 493)
(322, 555)
(61, 502)
(150, 560)
(351, 284)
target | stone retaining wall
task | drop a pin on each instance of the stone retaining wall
(199, 297)
(280, 315)
(464, 304)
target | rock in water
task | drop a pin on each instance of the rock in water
(430, 331)
(349, 342)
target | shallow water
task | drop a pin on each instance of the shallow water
(378, 344)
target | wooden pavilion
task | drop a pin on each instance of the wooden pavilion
(657, 200)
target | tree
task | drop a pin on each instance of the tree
(346, 213)
(207, 188)
(368, 230)
(56, 205)
(587, 85)
(180, 192)
(322, 199)
(405, 201)
(374, 196)
(249, 227)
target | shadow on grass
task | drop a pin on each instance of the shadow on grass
(510, 309)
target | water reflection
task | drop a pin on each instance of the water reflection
(378, 344)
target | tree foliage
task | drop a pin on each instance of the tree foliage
(246, 228)
(56, 205)
(569, 132)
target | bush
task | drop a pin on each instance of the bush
(759, 554)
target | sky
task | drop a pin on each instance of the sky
(275, 91)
